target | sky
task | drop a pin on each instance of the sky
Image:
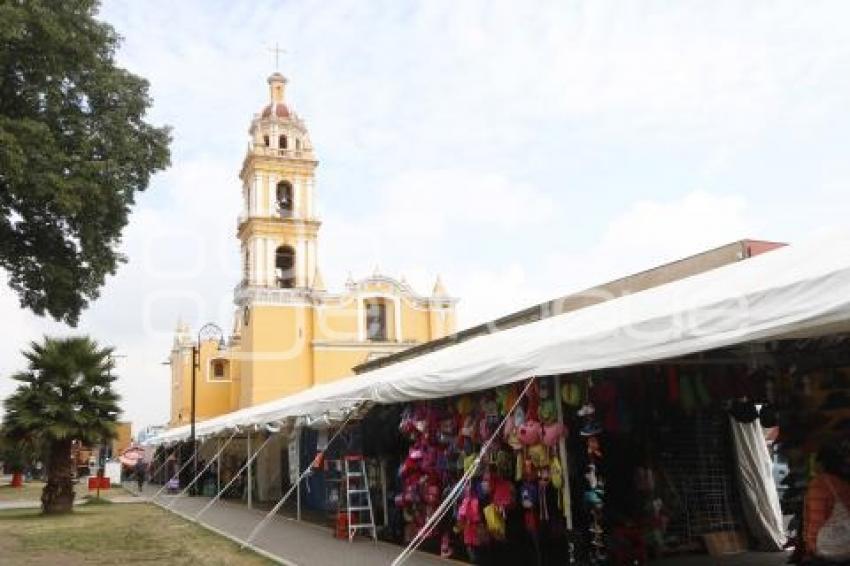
(519, 150)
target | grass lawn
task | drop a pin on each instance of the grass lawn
(114, 534)
(30, 491)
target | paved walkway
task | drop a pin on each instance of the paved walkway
(292, 542)
(307, 544)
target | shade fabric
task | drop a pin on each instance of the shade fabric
(795, 291)
(757, 487)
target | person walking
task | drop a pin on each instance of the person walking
(141, 469)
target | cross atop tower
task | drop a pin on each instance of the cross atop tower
(277, 51)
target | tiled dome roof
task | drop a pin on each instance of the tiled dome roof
(280, 110)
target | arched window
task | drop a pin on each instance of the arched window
(266, 141)
(284, 267)
(297, 144)
(376, 320)
(282, 142)
(283, 196)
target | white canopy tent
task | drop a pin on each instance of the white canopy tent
(796, 291)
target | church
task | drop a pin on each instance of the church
(289, 331)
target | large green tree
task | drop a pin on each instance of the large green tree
(65, 395)
(74, 150)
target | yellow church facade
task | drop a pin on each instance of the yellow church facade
(289, 331)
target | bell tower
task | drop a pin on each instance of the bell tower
(278, 227)
(278, 232)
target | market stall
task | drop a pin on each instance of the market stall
(648, 455)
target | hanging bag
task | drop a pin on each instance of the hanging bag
(833, 542)
(495, 522)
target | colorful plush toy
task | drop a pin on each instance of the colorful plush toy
(510, 398)
(528, 497)
(548, 412)
(432, 494)
(501, 400)
(468, 516)
(495, 521)
(552, 433)
(406, 425)
(556, 472)
(446, 546)
(571, 393)
(490, 408)
(543, 484)
(532, 409)
(464, 405)
(539, 455)
(594, 449)
(529, 432)
(503, 493)
(486, 484)
(484, 429)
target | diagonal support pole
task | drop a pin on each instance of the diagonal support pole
(202, 472)
(264, 521)
(235, 477)
(161, 466)
(177, 475)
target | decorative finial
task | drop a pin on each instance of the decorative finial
(439, 288)
(318, 281)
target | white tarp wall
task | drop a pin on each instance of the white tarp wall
(797, 290)
(759, 496)
(267, 464)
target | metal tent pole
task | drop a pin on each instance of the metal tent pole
(297, 487)
(177, 475)
(298, 500)
(233, 480)
(206, 467)
(562, 454)
(218, 471)
(383, 465)
(250, 471)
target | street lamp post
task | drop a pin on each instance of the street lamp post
(207, 332)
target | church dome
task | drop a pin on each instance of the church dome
(276, 107)
(279, 109)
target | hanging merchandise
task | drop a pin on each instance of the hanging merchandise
(468, 517)
(512, 477)
(571, 394)
(605, 395)
(495, 521)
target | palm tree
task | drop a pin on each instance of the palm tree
(65, 395)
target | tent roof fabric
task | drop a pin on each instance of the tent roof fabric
(799, 290)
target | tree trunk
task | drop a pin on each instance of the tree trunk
(58, 494)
